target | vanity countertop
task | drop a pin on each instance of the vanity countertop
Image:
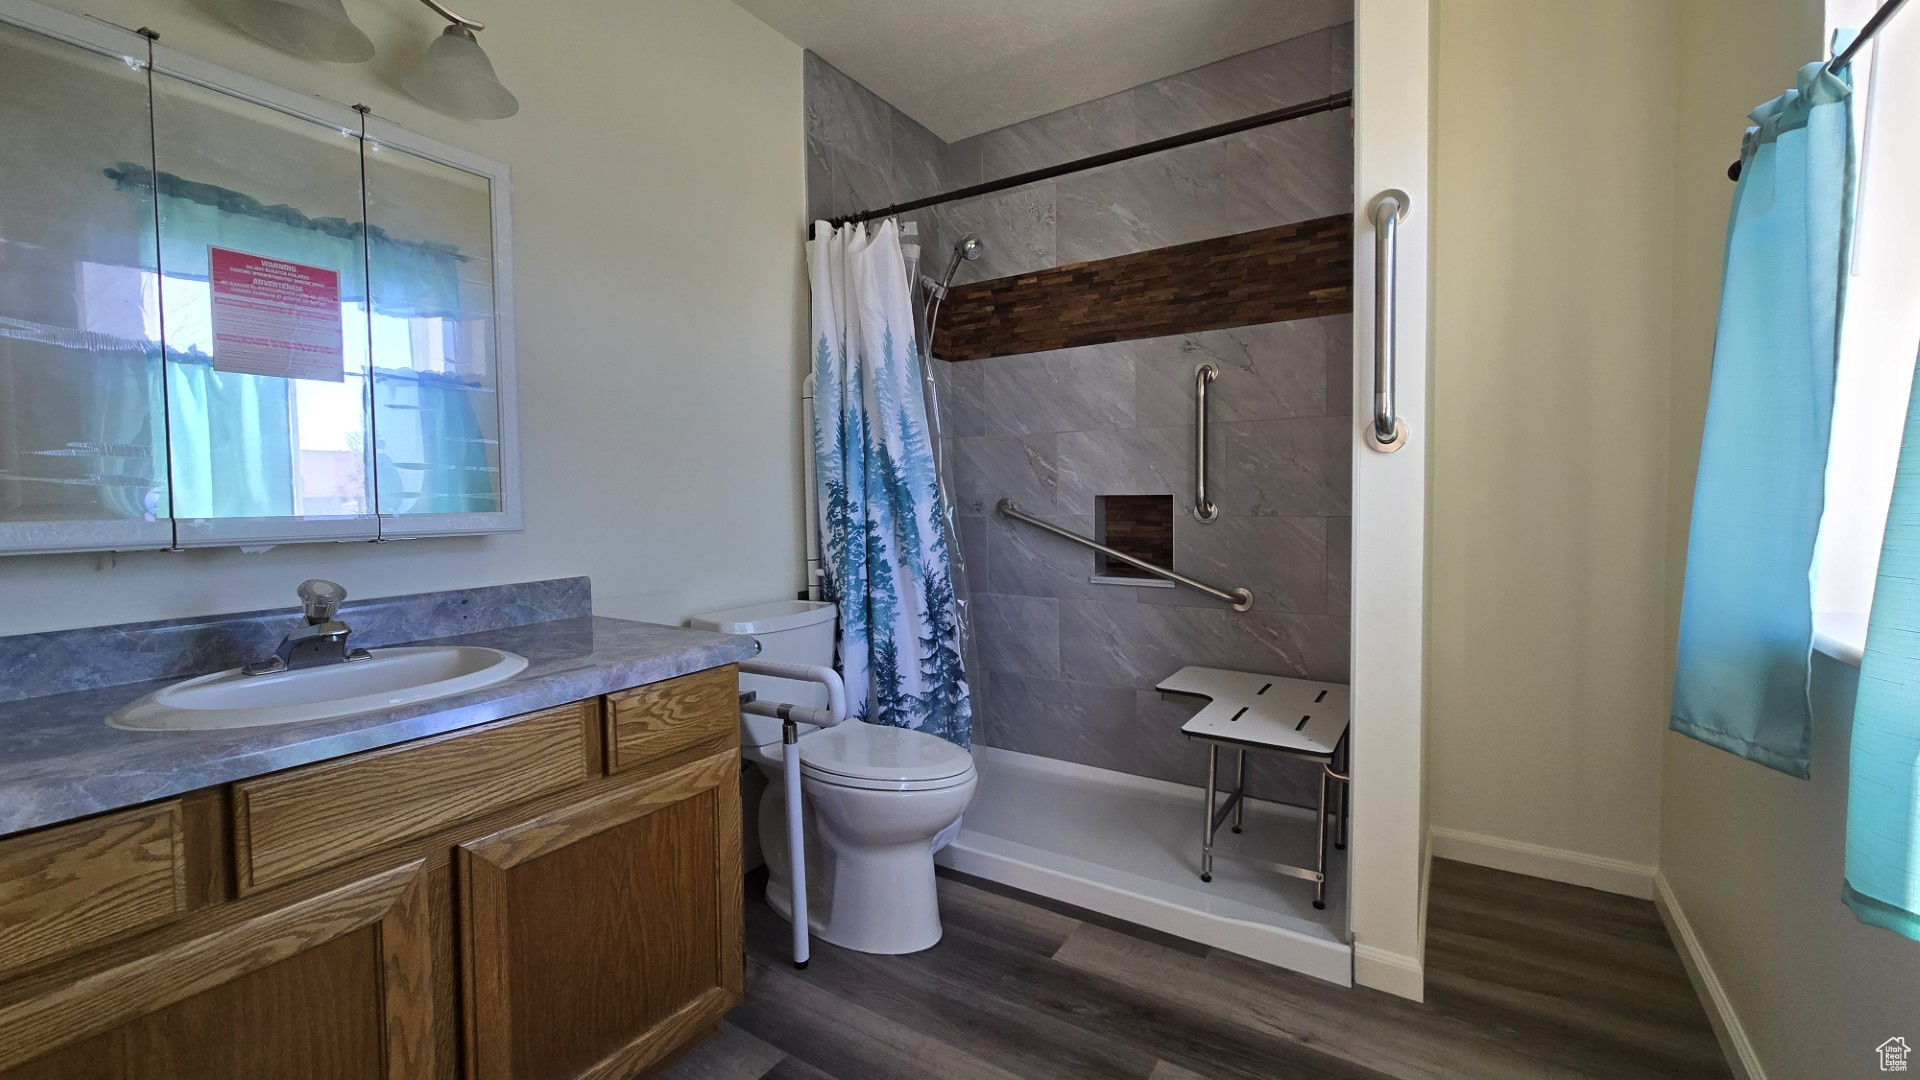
(60, 761)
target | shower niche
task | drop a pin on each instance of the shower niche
(231, 314)
(1136, 525)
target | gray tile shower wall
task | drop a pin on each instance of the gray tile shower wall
(1056, 431)
(1065, 665)
(863, 153)
(1272, 176)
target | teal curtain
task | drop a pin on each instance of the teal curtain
(1746, 622)
(124, 392)
(433, 454)
(1883, 779)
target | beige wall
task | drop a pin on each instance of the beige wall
(1580, 221)
(658, 199)
(1552, 280)
(1755, 858)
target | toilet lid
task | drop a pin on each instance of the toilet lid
(881, 752)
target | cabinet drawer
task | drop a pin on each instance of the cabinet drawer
(78, 885)
(662, 718)
(293, 823)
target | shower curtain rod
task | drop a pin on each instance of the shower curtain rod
(1879, 19)
(1329, 103)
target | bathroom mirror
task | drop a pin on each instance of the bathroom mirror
(441, 405)
(264, 316)
(82, 414)
(235, 315)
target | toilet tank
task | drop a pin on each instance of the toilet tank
(789, 631)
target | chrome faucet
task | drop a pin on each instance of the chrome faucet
(322, 641)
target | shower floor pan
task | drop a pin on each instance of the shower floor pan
(1129, 847)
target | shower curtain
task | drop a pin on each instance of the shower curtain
(883, 542)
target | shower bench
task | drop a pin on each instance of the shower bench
(1268, 714)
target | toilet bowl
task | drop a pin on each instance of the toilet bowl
(874, 797)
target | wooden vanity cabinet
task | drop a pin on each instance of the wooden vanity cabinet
(591, 929)
(601, 936)
(335, 985)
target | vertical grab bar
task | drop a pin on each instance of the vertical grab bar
(1386, 433)
(1203, 507)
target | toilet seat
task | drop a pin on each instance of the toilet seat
(882, 757)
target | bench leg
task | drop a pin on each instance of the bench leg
(1346, 793)
(1206, 847)
(1320, 841)
(1240, 791)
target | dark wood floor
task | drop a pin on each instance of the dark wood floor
(1525, 978)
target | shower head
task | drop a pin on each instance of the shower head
(969, 248)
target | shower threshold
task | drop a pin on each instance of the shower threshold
(1129, 847)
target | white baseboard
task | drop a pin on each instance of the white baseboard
(1394, 973)
(1734, 1042)
(1538, 860)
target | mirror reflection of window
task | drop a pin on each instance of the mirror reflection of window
(436, 384)
(246, 186)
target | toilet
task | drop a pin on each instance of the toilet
(875, 796)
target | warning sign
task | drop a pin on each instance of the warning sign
(275, 318)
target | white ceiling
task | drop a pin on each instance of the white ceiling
(966, 66)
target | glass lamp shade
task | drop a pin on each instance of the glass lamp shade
(315, 28)
(456, 78)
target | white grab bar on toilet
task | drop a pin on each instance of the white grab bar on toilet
(790, 717)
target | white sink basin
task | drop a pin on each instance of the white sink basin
(393, 677)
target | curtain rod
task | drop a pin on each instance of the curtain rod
(1330, 103)
(1880, 16)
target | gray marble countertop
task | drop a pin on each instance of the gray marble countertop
(60, 761)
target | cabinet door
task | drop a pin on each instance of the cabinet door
(334, 987)
(263, 271)
(82, 414)
(443, 386)
(601, 937)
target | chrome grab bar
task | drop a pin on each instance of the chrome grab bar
(1203, 508)
(1386, 433)
(1241, 599)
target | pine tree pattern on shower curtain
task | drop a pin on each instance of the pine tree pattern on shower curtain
(883, 546)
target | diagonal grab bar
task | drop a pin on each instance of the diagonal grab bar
(1241, 599)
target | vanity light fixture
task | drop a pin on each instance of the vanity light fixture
(316, 28)
(454, 76)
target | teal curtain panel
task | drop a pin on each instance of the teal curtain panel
(1883, 779)
(1746, 622)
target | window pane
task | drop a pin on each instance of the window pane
(1880, 332)
(81, 429)
(435, 379)
(262, 283)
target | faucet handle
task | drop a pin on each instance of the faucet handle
(320, 600)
